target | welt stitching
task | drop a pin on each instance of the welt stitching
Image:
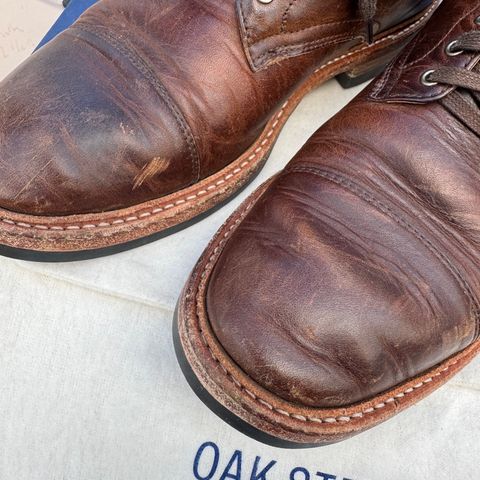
(368, 197)
(213, 186)
(358, 414)
(146, 70)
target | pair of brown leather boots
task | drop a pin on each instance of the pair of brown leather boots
(347, 287)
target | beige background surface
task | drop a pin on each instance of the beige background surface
(89, 385)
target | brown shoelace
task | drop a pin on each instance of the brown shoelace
(368, 8)
(464, 101)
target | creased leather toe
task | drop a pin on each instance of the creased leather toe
(311, 313)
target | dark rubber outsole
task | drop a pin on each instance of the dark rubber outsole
(217, 408)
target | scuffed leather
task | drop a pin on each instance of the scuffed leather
(78, 125)
(141, 99)
(357, 269)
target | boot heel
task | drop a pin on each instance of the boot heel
(355, 77)
(370, 68)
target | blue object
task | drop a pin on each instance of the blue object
(73, 9)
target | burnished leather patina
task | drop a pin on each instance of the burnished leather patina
(348, 287)
(144, 114)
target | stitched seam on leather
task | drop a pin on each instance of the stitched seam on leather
(285, 15)
(382, 82)
(403, 33)
(315, 419)
(395, 63)
(382, 207)
(143, 67)
(250, 42)
(445, 90)
(305, 47)
(311, 27)
(245, 24)
(190, 197)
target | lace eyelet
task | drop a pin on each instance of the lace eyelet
(425, 81)
(477, 20)
(450, 49)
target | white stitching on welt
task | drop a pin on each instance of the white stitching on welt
(227, 177)
(244, 164)
(344, 418)
(264, 403)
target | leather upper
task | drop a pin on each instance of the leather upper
(357, 269)
(141, 99)
(294, 28)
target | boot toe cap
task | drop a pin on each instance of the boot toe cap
(85, 136)
(311, 305)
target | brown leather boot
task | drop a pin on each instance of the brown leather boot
(147, 113)
(347, 287)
